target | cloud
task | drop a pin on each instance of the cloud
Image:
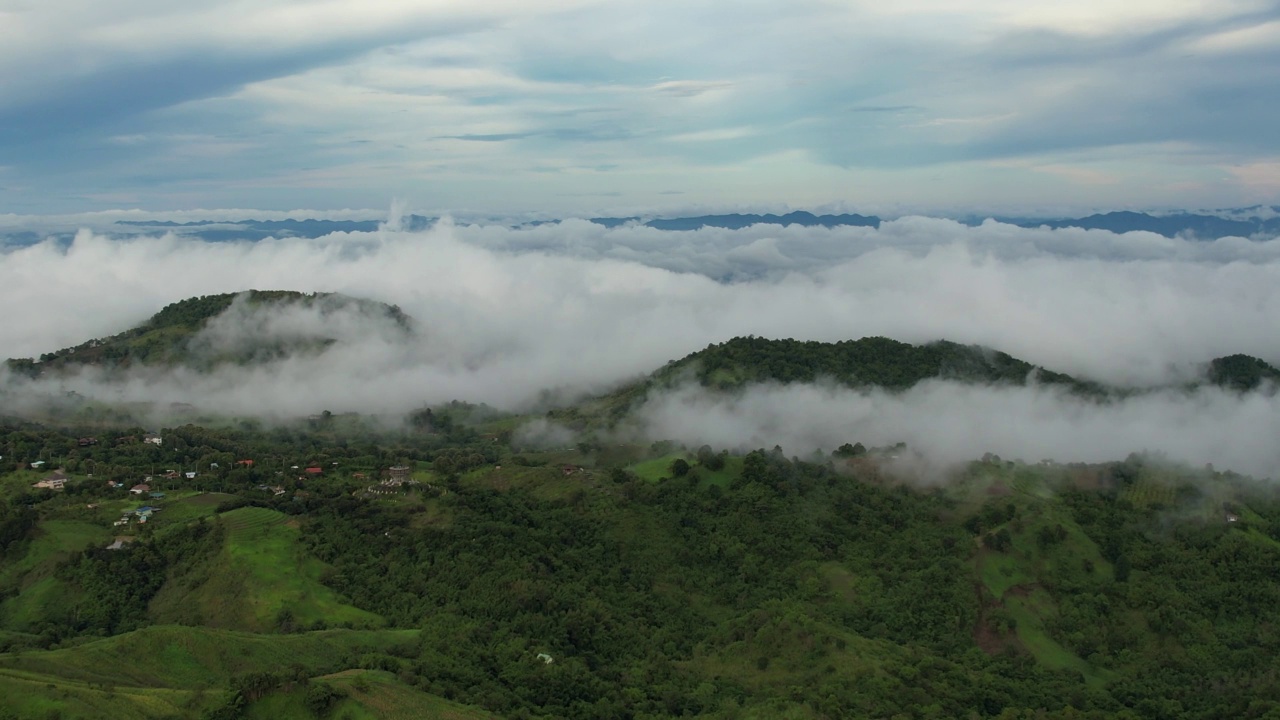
(508, 315)
(951, 423)
(290, 105)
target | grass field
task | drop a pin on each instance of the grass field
(371, 695)
(41, 594)
(660, 467)
(261, 571)
(184, 507)
(167, 671)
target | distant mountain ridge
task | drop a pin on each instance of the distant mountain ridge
(1205, 227)
(171, 336)
(1251, 222)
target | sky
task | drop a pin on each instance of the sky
(506, 315)
(573, 107)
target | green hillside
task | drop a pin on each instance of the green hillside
(872, 362)
(260, 580)
(431, 570)
(168, 672)
(166, 339)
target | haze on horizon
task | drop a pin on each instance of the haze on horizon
(585, 106)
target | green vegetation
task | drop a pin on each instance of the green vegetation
(167, 338)
(335, 568)
(1241, 372)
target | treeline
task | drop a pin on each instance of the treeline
(868, 362)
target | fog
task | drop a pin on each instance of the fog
(949, 422)
(505, 314)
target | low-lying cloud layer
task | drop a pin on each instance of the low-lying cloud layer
(949, 422)
(505, 314)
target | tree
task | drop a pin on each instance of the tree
(679, 468)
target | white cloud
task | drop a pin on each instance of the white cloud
(508, 313)
(952, 423)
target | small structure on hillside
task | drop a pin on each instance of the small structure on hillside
(55, 481)
(152, 439)
(398, 475)
(140, 488)
(1232, 517)
(545, 658)
(37, 465)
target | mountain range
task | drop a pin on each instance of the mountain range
(1250, 222)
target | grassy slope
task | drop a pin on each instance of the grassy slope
(371, 695)
(1015, 579)
(42, 595)
(261, 570)
(165, 671)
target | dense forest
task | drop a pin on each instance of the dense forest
(602, 581)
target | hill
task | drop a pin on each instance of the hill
(1241, 372)
(170, 672)
(872, 362)
(623, 581)
(202, 332)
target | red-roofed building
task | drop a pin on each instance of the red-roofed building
(314, 470)
(246, 463)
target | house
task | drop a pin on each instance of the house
(140, 488)
(37, 465)
(277, 491)
(314, 470)
(86, 441)
(55, 481)
(1231, 517)
(152, 439)
(190, 475)
(245, 463)
(545, 658)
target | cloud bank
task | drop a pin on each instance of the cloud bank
(952, 423)
(506, 314)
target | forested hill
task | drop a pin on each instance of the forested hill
(171, 336)
(869, 362)
(877, 362)
(885, 363)
(1241, 372)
